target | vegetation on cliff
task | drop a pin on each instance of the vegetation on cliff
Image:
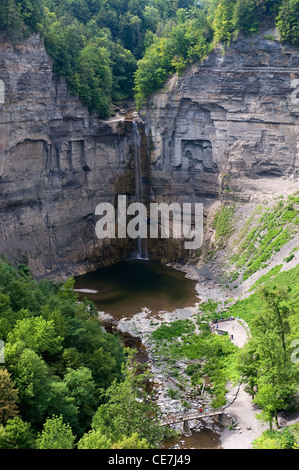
(196, 32)
(268, 364)
(263, 235)
(109, 49)
(95, 44)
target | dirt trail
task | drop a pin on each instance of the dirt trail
(242, 410)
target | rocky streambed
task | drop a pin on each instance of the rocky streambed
(171, 386)
(170, 394)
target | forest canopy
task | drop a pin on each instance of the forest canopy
(62, 371)
(110, 50)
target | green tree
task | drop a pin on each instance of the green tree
(102, 352)
(17, 434)
(94, 440)
(37, 334)
(8, 397)
(284, 439)
(7, 316)
(270, 374)
(123, 65)
(288, 22)
(59, 401)
(81, 387)
(152, 18)
(66, 291)
(153, 70)
(245, 16)
(55, 435)
(31, 376)
(248, 365)
(276, 314)
(20, 293)
(269, 400)
(95, 78)
(11, 21)
(223, 21)
(132, 442)
(126, 411)
(32, 12)
(276, 382)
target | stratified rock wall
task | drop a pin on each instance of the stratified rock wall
(225, 130)
(226, 123)
(57, 162)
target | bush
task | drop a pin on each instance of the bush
(288, 23)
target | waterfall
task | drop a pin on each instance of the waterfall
(141, 251)
(138, 167)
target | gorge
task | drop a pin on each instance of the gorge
(224, 134)
(214, 135)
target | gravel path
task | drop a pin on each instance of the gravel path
(242, 410)
(233, 327)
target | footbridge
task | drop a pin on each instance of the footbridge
(219, 413)
(182, 417)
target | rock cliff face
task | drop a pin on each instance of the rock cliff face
(224, 130)
(228, 122)
(57, 162)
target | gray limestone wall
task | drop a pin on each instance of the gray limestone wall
(229, 121)
(234, 117)
(57, 163)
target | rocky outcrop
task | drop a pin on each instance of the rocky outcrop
(57, 162)
(227, 122)
(225, 130)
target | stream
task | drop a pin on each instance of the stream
(122, 291)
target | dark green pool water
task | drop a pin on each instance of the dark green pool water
(123, 289)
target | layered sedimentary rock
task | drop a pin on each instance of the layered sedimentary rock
(220, 131)
(227, 122)
(57, 162)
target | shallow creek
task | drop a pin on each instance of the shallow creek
(122, 291)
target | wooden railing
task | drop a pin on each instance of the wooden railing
(180, 417)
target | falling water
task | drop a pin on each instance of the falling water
(141, 252)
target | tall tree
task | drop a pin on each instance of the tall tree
(127, 410)
(223, 21)
(266, 364)
(31, 375)
(288, 23)
(36, 334)
(245, 16)
(82, 389)
(55, 435)
(11, 21)
(17, 434)
(8, 397)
